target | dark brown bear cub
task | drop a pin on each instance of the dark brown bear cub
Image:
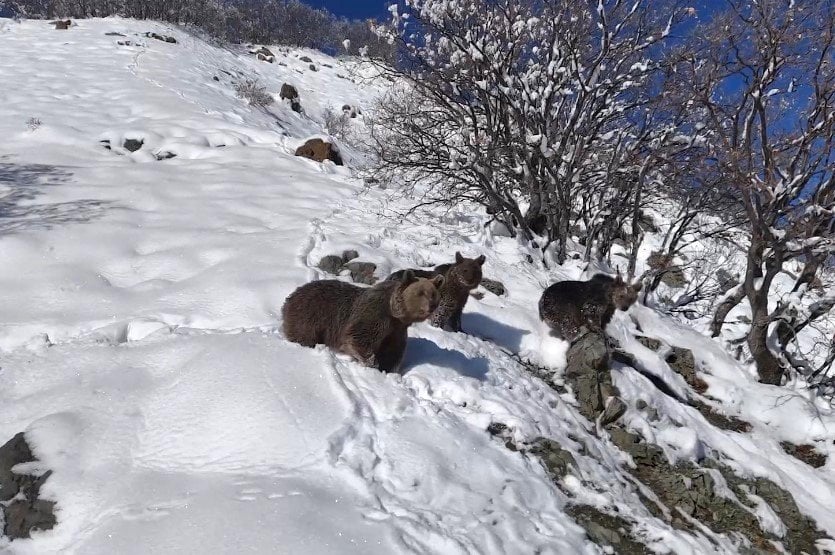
(569, 306)
(461, 277)
(369, 324)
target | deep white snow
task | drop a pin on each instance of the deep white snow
(140, 343)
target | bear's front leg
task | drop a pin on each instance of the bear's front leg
(358, 353)
(390, 352)
(455, 321)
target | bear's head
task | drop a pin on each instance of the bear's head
(623, 294)
(467, 271)
(416, 298)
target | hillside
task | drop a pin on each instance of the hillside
(142, 357)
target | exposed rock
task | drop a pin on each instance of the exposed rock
(501, 431)
(164, 155)
(615, 408)
(497, 429)
(305, 59)
(319, 150)
(25, 511)
(649, 342)
(264, 54)
(722, 421)
(557, 460)
(62, 25)
(495, 287)
(106, 144)
(587, 371)
(362, 272)
(132, 145)
(296, 106)
(289, 92)
(113, 34)
(313, 67)
(163, 38)
(726, 280)
(695, 491)
(671, 274)
(806, 453)
(331, 264)
(681, 360)
(349, 255)
(607, 530)
(350, 111)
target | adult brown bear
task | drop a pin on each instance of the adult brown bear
(368, 323)
(569, 306)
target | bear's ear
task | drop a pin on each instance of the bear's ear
(637, 286)
(438, 281)
(481, 259)
(408, 277)
(458, 258)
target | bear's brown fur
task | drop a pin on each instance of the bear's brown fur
(460, 278)
(369, 324)
(567, 307)
(319, 150)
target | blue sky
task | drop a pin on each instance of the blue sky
(354, 9)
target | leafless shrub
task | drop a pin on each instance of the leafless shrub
(256, 94)
(337, 123)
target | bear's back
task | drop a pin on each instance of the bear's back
(567, 305)
(316, 312)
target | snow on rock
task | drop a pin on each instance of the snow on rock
(140, 296)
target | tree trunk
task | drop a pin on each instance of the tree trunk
(768, 366)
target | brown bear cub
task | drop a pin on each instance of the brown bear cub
(368, 323)
(460, 278)
(569, 306)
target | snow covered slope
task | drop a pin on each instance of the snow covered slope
(140, 347)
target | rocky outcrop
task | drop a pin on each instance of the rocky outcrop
(806, 453)
(689, 495)
(495, 287)
(288, 92)
(264, 54)
(319, 150)
(587, 371)
(361, 272)
(607, 530)
(163, 38)
(23, 510)
(671, 274)
(331, 264)
(132, 145)
(557, 460)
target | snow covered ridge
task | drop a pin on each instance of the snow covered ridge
(141, 357)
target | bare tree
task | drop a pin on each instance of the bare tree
(763, 78)
(519, 105)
